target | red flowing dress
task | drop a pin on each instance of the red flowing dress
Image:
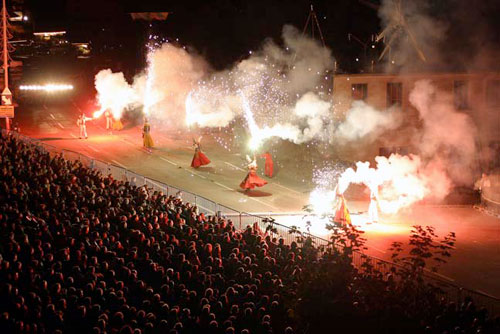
(269, 164)
(252, 180)
(342, 214)
(199, 158)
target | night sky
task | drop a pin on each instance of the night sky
(223, 31)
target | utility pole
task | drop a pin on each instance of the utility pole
(6, 108)
(5, 46)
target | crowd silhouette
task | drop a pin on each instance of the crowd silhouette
(84, 253)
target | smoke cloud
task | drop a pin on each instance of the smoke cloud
(445, 153)
(452, 34)
(114, 93)
(363, 121)
(446, 133)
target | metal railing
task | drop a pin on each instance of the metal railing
(241, 220)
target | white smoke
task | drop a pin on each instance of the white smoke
(446, 133)
(411, 29)
(279, 84)
(284, 88)
(172, 73)
(403, 180)
(114, 93)
(362, 120)
(162, 89)
(446, 154)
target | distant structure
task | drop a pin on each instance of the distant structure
(398, 26)
(7, 107)
(313, 23)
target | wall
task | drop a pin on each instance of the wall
(486, 118)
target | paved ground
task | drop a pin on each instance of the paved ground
(475, 262)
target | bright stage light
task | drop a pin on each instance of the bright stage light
(47, 87)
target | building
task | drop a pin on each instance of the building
(476, 94)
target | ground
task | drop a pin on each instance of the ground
(475, 262)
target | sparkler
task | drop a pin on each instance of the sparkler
(149, 94)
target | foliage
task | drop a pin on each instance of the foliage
(424, 248)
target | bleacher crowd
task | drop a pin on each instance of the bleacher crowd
(84, 253)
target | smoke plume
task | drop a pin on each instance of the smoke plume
(364, 121)
(446, 133)
(452, 34)
(445, 155)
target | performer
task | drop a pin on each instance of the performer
(199, 158)
(373, 207)
(269, 164)
(82, 120)
(109, 119)
(117, 124)
(147, 140)
(252, 180)
(482, 185)
(342, 214)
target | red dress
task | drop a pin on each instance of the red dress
(199, 159)
(269, 164)
(342, 214)
(252, 180)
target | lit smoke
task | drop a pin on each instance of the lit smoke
(281, 87)
(114, 93)
(446, 134)
(161, 90)
(279, 91)
(402, 180)
(414, 29)
(446, 151)
(171, 74)
(362, 121)
(311, 119)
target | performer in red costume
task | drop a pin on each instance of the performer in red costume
(269, 164)
(252, 180)
(342, 214)
(199, 158)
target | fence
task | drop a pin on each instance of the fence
(241, 220)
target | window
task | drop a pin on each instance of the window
(493, 93)
(394, 94)
(388, 151)
(359, 91)
(461, 94)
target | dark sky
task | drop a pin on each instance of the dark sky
(221, 30)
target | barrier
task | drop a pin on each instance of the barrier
(241, 220)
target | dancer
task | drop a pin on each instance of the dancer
(269, 164)
(373, 207)
(109, 119)
(147, 140)
(117, 124)
(82, 120)
(199, 158)
(342, 215)
(252, 180)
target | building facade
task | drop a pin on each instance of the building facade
(476, 94)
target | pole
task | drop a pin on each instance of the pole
(5, 56)
(5, 47)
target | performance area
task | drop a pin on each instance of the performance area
(222, 168)
(285, 195)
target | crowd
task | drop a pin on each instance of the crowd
(83, 253)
